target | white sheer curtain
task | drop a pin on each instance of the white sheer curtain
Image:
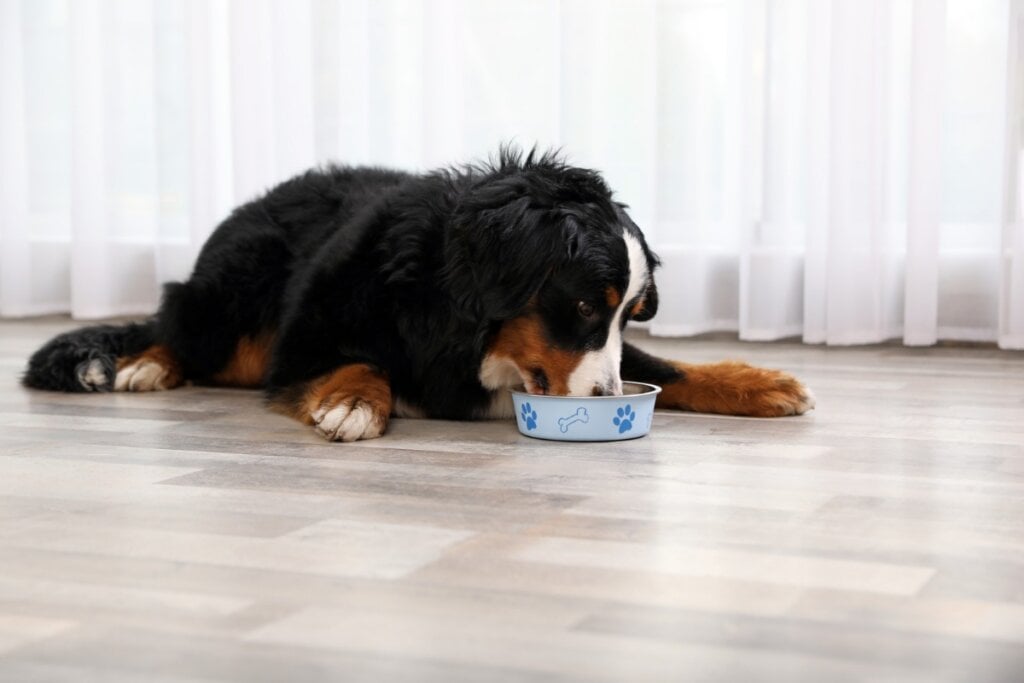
(864, 157)
(843, 170)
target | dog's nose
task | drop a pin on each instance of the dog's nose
(607, 390)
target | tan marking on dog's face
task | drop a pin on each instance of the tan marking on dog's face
(248, 364)
(521, 346)
(638, 308)
(613, 297)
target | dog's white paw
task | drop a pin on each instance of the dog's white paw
(808, 403)
(349, 421)
(92, 375)
(143, 375)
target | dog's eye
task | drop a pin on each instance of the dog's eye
(585, 310)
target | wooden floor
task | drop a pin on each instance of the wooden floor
(193, 536)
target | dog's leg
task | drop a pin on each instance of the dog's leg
(728, 388)
(155, 369)
(350, 403)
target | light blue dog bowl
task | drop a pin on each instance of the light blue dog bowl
(587, 418)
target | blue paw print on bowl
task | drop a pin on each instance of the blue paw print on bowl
(529, 417)
(624, 418)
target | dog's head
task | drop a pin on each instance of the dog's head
(543, 252)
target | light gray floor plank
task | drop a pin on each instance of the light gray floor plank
(193, 536)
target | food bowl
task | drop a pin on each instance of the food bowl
(587, 418)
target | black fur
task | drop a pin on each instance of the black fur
(409, 273)
(639, 364)
(63, 363)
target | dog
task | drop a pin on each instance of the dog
(354, 294)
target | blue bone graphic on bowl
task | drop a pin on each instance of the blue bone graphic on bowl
(579, 416)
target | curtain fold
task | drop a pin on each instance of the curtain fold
(924, 177)
(15, 257)
(1011, 263)
(842, 171)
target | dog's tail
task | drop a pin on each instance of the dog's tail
(86, 359)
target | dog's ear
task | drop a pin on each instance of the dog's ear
(648, 304)
(500, 249)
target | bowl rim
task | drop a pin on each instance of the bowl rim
(651, 390)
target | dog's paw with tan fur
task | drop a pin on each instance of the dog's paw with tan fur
(349, 418)
(735, 388)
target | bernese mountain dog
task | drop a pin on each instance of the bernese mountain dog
(351, 295)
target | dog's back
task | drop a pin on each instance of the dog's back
(236, 291)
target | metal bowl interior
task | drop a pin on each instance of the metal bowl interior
(628, 389)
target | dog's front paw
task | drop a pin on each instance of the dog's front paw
(778, 393)
(153, 370)
(349, 418)
(734, 388)
(95, 374)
